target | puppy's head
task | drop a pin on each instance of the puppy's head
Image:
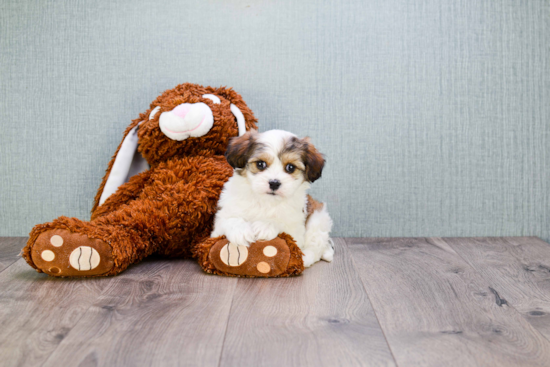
(275, 162)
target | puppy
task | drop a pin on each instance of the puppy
(267, 194)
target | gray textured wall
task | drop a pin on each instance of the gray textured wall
(434, 115)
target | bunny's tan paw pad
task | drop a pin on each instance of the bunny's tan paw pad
(59, 252)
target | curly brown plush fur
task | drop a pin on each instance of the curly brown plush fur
(168, 209)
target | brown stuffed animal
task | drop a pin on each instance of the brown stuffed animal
(159, 196)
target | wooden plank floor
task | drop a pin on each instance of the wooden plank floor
(382, 302)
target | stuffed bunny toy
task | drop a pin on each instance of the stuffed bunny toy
(159, 195)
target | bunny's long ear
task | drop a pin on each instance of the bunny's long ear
(126, 163)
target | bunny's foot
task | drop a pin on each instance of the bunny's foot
(279, 257)
(60, 252)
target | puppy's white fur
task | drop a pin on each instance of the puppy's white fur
(249, 210)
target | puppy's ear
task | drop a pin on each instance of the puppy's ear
(313, 160)
(241, 148)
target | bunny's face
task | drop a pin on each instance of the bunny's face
(189, 120)
(192, 120)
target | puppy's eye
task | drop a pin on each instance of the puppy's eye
(261, 165)
(290, 168)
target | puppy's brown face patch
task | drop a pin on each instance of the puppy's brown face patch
(259, 162)
(293, 164)
(241, 149)
(303, 156)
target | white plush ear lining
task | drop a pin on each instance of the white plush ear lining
(154, 112)
(128, 162)
(240, 119)
(214, 98)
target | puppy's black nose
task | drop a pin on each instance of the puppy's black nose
(274, 184)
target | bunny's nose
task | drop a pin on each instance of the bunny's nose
(182, 110)
(186, 120)
(191, 114)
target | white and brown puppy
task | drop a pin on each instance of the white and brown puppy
(267, 194)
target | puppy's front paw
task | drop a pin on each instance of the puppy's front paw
(308, 258)
(264, 231)
(328, 255)
(241, 235)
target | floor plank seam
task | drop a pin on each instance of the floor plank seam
(103, 291)
(227, 323)
(72, 328)
(370, 301)
(10, 247)
(498, 298)
(7, 267)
